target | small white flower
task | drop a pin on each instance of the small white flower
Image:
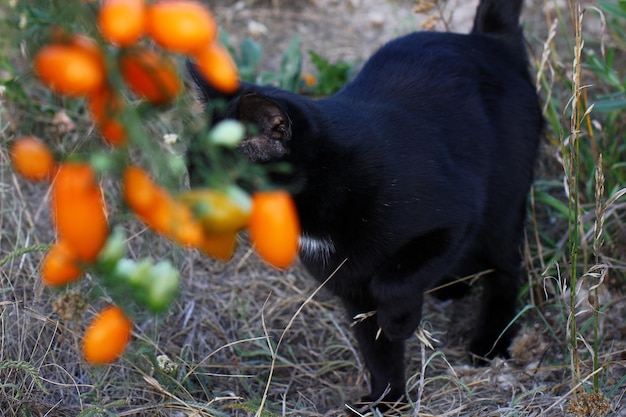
(166, 364)
(170, 138)
(256, 29)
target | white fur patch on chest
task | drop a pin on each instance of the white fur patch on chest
(316, 249)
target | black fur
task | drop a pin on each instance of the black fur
(417, 171)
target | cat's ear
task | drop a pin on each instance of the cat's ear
(270, 127)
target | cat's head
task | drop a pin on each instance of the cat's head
(267, 113)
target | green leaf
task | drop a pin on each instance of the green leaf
(550, 201)
(26, 367)
(252, 408)
(614, 9)
(251, 53)
(291, 66)
(332, 77)
(249, 59)
(608, 105)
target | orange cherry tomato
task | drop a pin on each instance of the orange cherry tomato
(107, 336)
(173, 220)
(122, 22)
(60, 265)
(159, 210)
(308, 79)
(219, 246)
(274, 227)
(79, 210)
(113, 132)
(185, 229)
(88, 45)
(217, 66)
(150, 75)
(181, 26)
(105, 107)
(32, 158)
(69, 69)
(140, 192)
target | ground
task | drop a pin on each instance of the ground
(243, 334)
(349, 30)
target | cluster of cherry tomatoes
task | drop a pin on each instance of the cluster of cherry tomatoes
(207, 219)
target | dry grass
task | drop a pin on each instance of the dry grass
(244, 339)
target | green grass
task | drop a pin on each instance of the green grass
(591, 157)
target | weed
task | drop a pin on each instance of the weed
(332, 77)
(592, 168)
(249, 56)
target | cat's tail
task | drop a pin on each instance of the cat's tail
(499, 18)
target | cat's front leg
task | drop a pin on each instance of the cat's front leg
(384, 358)
(399, 319)
(399, 284)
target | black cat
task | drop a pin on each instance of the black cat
(417, 171)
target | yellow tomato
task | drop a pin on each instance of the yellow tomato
(219, 211)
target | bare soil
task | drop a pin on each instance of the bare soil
(349, 30)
